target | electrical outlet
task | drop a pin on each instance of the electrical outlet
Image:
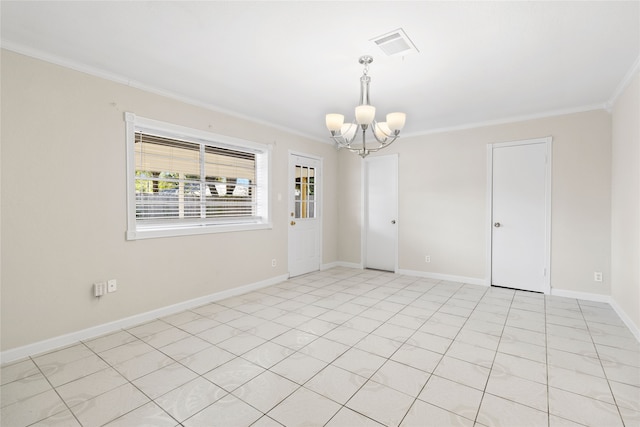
(112, 285)
(597, 276)
(99, 288)
(427, 258)
(273, 262)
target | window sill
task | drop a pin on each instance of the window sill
(158, 232)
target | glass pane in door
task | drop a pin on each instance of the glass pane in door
(304, 192)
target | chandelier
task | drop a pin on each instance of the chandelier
(344, 134)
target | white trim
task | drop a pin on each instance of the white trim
(105, 328)
(117, 78)
(155, 233)
(130, 129)
(330, 265)
(489, 215)
(548, 141)
(342, 264)
(586, 296)
(263, 219)
(447, 277)
(514, 119)
(635, 68)
(635, 329)
(195, 135)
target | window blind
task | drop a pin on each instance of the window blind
(186, 182)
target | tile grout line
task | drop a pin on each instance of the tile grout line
(343, 405)
(315, 291)
(504, 325)
(546, 358)
(443, 354)
(613, 396)
(57, 394)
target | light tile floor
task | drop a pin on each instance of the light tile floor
(345, 347)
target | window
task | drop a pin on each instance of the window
(183, 181)
(305, 202)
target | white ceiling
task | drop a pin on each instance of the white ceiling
(288, 63)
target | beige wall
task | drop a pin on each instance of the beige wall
(60, 233)
(443, 202)
(625, 224)
(64, 214)
(349, 207)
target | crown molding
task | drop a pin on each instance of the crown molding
(117, 78)
(513, 119)
(635, 68)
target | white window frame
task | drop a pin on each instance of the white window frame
(261, 221)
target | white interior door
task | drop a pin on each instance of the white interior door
(520, 223)
(381, 212)
(304, 214)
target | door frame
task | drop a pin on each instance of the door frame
(548, 141)
(319, 208)
(365, 212)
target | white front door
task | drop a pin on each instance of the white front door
(520, 223)
(304, 214)
(381, 212)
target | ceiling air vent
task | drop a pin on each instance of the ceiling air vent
(395, 43)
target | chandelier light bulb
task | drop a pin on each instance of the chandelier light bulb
(395, 121)
(365, 114)
(382, 130)
(348, 131)
(334, 121)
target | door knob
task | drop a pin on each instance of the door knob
(293, 223)
(393, 221)
(497, 225)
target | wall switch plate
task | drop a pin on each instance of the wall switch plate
(112, 285)
(597, 276)
(99, 288)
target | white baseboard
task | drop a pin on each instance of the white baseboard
(448, 277)
(635, 329)
(601, 298)
(329, 265)
(95, 331)
(415, 273)
(587, 296)
(436, 276)
(68, 339)
(341, 264)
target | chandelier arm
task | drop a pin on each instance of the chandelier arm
(385, 145)
(384, 141)
(359, 151)
(341, 139)
(337, 139)
(374, 126)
